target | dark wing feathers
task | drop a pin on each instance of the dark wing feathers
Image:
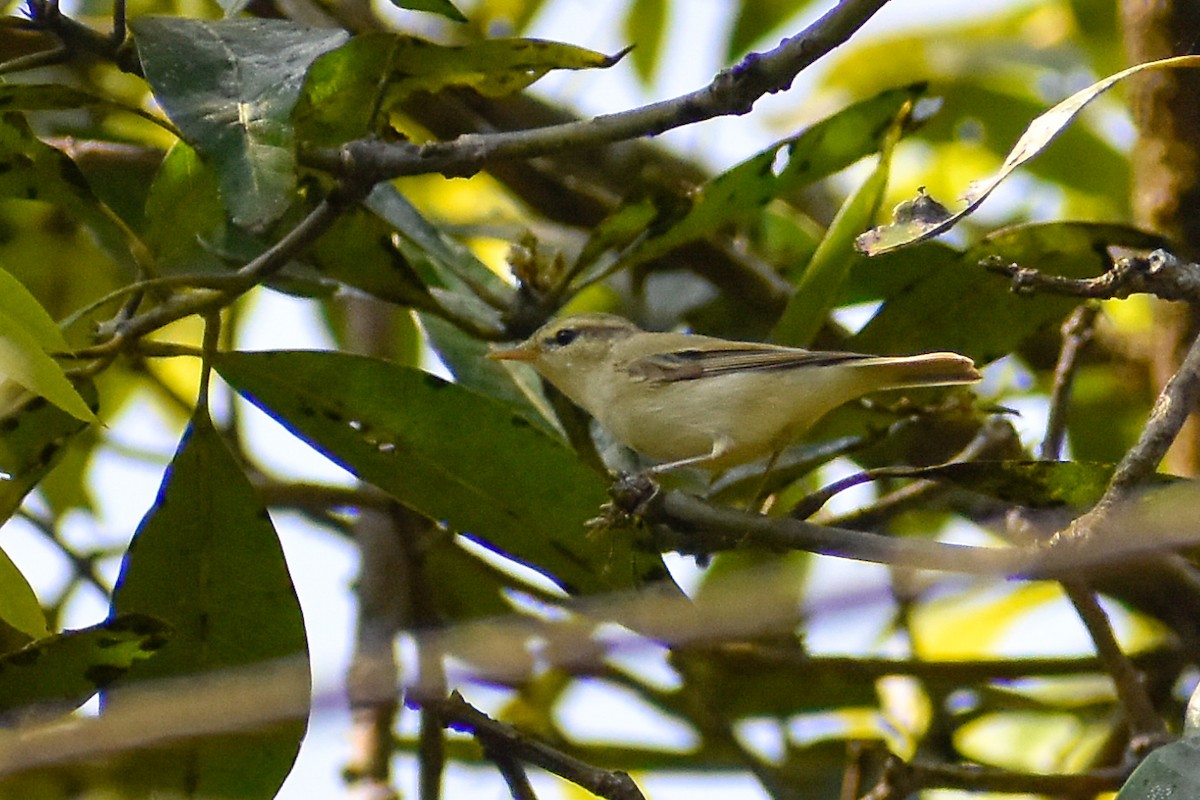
(686, 365)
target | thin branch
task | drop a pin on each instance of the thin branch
(733, 91)
(513, 773)
(1176, 401)
(995, 435)
(1144, 720)
(1077, 331)
(1160, 273)
(903, 779)
(1131, 692)
(462, 716)
(320, 219)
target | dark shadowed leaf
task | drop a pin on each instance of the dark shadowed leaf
(207, 560)
(32, 170)
(32, 437)
(1037, 484)
(230, 86)
(959, 306)
(58, 673)
(448, 453)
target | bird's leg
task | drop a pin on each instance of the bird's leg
(757, 501)
(721, 446)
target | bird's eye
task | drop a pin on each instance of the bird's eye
(564, 337)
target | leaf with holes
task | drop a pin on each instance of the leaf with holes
(450, 454)
(58, 673)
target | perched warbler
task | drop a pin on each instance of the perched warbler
(688, 400)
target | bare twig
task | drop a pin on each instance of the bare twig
(903, 779)
(996, 434)
(1160, 273)
(733, 91)
(461, 715)
(1144, 720)
(1077, 332)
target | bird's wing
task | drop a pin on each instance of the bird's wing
(688, 364)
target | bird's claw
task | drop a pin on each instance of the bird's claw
(630, 494)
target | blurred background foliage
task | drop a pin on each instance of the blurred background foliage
(806, 672)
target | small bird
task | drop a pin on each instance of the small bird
(690, 400)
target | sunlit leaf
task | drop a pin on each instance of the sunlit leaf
(745, 189)
(207, 560)
(350, 91)
(24, 361)
(230, 86)
(448, 453)
(909, 228)
(975, 624)
(443, 7)
(57, 673)
(646, 27)
(19, 605)
(821, 282)
(1031, 741)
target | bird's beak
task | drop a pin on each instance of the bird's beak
(522, 352)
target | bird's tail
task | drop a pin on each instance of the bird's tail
(927, 369)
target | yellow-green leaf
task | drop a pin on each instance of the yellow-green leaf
(349, 91)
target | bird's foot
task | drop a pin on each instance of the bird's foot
(630, 495)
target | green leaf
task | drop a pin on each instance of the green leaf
(1042, 130)
(23, 361)
(350, 91)
(358, 251)
(32, 438)
(20, 306)
(208, 561)
(646, 27)
(958, 306)
(745, 189)
(57, 673)
(32, 170)
(230, 87)
(183, 212)
(443, 7)
(449, 454)
(19, 604)
(822, 280)
(1037, 484)
(755, 19)
(466, 358)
